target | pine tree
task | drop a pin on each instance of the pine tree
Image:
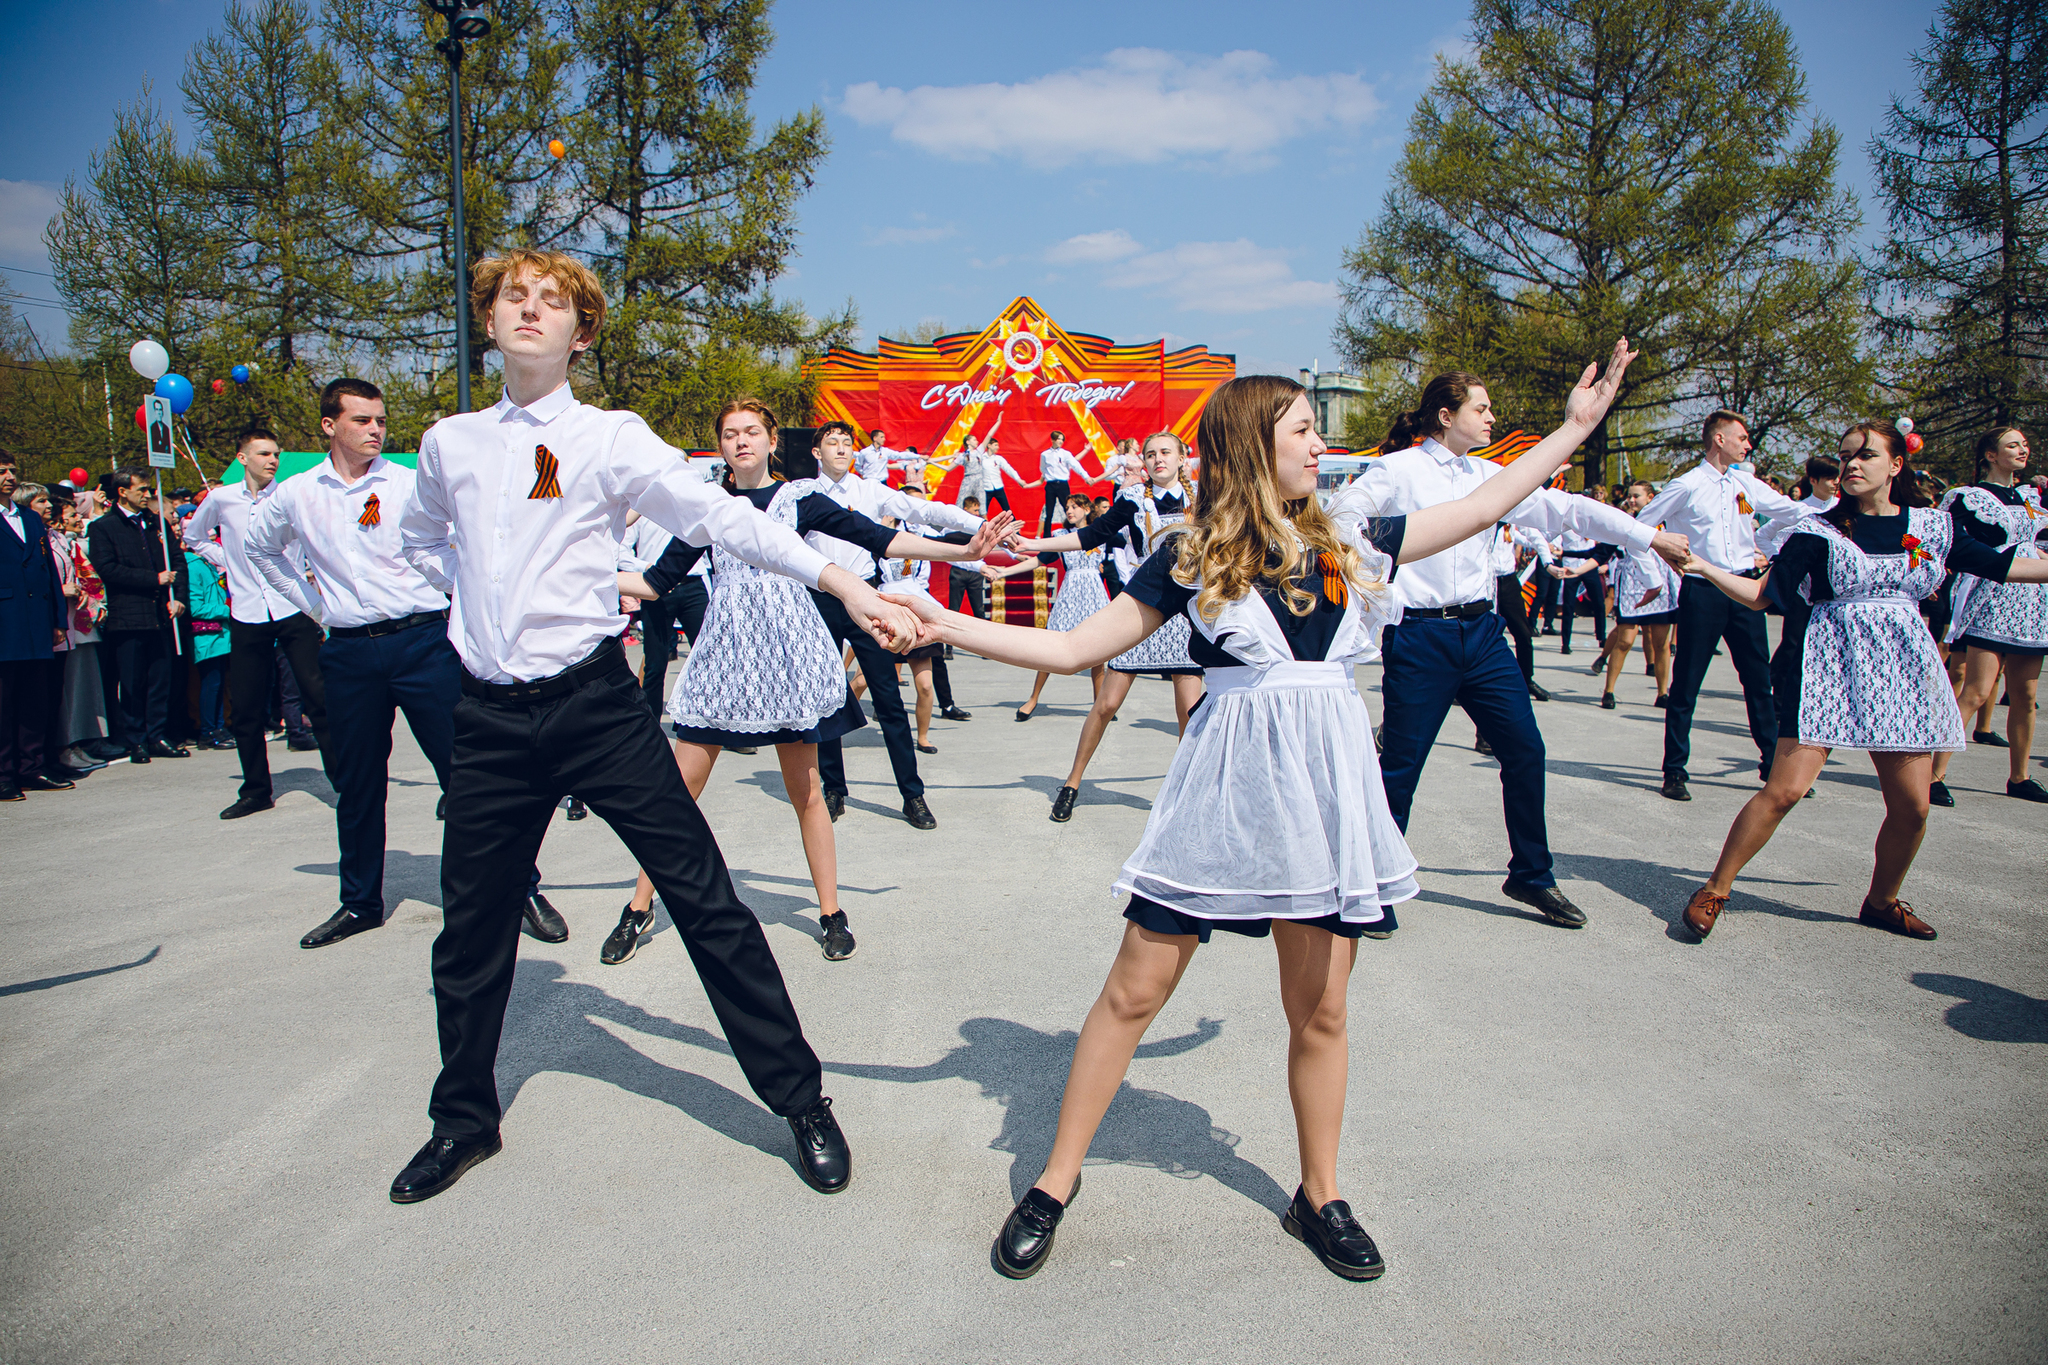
(1600, 169)
(1964, 173)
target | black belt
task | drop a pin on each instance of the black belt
(1470, 611)
(418, 618)
(604, 659)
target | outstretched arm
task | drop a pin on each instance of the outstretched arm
(1748, 591)
(1109, 632)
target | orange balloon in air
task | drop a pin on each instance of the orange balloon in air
(557, 149)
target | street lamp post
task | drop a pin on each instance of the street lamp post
(466, 23)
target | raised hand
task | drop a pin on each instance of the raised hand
(994, 531)
(1589, 400)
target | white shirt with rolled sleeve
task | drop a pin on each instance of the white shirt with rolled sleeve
(1059, 463)
(227, 509)
(1705, 505)
(872, 463)
(876, 501)
(360, 571)
(1428, 475)
(533, 577)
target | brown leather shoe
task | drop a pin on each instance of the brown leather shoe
(1897, 918)
(1702, 910)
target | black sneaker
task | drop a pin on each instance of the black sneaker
(624, 941)
(1675, 789)
(1938, 794)
(835, 805)
(2029, 790)
(821, 1155)
(1335, 1237)
(919, 814)
(838, 942)
(1063, 804)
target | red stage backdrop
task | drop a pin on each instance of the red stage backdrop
(1021, 378)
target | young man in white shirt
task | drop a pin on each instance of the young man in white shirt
(386, 648)
(1714, 505)
(872, 462)
(518, 511)
(1058, 470)
(264, 621)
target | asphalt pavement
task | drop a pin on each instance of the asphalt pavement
(1804, 1140)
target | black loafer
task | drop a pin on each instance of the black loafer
(161, 749)
(1606, 701)
(2029, 790)
(1938, 794)
(247, 805)
(439, 1164)
(1674, 789)
(1996, 741)
(1335, 1237)
(1663, 702)
(919, 814)
(955, 713)
(342, 924)
(1026, 1238)
(1063, 804)
(926, 748)
(138, 754)
(821, 1155)
(835, 805)
(43, 782)
(1537, 691)
(1548, 900)
(10, 792)
(543, 921)
(624, 941)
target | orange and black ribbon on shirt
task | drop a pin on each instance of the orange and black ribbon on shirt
(1742, 505)
(370, 516)
(1334, 588)
(547, 482)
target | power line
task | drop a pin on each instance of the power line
(26, 271)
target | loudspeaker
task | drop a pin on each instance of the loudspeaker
(797, 448)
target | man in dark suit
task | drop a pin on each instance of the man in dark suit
(127, 550)
(31, 624)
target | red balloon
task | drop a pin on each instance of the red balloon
(78, 478)
(219, 385)
(141, 420)
(1913, 443)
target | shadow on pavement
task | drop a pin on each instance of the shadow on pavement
(1092, 792)
(311, 781)
(407, 876)
(1025, 1070)
(44, 983)
(1663, 891)
(1991, 1013)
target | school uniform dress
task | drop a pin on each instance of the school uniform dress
(2002, 618)
(1081, 592)
(518, 513)
(1637, 574)
(765, 669)
(1142, 515)
(1856, 669)
(1273, 807)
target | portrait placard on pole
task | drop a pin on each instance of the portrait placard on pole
(163, 453)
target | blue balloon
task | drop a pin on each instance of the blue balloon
(178, 389)
(240, 374)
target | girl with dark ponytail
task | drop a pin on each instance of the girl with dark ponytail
(1445, 393)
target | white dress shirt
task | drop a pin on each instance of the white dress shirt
(533, 577)
(360, 571)
(1776, 532)
(11, 514)
(1705, 505)
(994, 467)
(912, 465)
(1057, 462)
(1428, 475)
(227, 509)
(873, 462)
(876, 501)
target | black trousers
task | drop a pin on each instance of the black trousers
(1706, 617)
(998, 496)
(253, 648)
(973, 587)
(1055, 496)
(24, 720)
(942, 684)
(1585, 596)
(878, 665)
(1515, 614)
(658, 621)
(513, 763)
(142, 665)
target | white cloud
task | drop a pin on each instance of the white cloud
(912, 236)
(1139, 105)
(26, 207)
(1202, 277)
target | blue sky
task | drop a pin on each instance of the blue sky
(1190, 170)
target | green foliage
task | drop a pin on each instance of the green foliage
(1601, 169)
(1964, 173)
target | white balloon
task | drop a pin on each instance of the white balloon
(149, 359)
(1905, 425)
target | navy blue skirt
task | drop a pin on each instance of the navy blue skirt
(1148, 914)
(848, 718)
(2000, 647)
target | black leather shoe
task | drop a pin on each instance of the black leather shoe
(138, 754)
(1537, 692)
(821, 1155)
(577, 810)
(441, 807)
(835, 805)
(2029, 790)
(1334, 1236)
(302, 744)
(543, 921)
(39, 782)
(64, 772)
(1606, 701)
(624, 941)
(1938, 794)
(1550, 901)
(1996, 741)
(1564, 649)
(106, 750)
(1480, 746)
(439, 1164)
(919, 814)
(247, 805)
(159, 749)
(1063, 804)
(955, 713)
(838, 940)
(1026, 1238)
(1674, 789)
(10, 792)
(926, 748)
(342, 924)
(1663, 702)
